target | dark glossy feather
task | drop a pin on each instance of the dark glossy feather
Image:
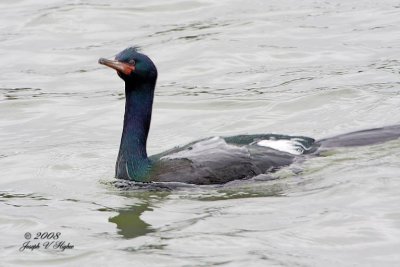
(215, 160)
(219, 160)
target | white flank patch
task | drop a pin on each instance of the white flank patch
(292, 146)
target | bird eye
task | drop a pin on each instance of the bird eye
(132, 62)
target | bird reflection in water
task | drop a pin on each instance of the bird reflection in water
(129, 223)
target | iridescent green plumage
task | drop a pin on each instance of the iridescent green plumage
(214, 160)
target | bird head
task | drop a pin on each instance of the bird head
(132, 66)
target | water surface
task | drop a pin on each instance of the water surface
(313, 68)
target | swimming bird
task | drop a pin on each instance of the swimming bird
(215, 160)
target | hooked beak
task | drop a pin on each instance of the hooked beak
(125, 68)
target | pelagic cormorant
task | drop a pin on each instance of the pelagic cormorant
(214, 160)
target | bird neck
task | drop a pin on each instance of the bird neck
(133, 162)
